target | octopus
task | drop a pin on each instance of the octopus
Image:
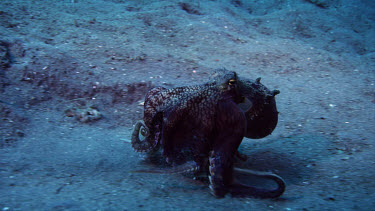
(199, 129)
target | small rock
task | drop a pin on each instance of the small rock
(84, 115)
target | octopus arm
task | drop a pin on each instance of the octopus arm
(188, 167)
(240, 190)
(230, 129)
(174, 130)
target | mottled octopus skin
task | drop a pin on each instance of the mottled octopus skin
(204, 125)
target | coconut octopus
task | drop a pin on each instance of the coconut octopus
(199, 128)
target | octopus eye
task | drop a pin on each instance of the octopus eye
(232, 81)
(144, 132)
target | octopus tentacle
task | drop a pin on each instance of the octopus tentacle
(188, 167)
(220, 175)
(222, 182)
(243, 190)
(231, 127)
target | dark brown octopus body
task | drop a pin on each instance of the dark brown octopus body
(201, 127)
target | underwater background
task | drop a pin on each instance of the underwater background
(74, 73)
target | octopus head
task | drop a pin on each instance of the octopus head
(259, 106)
(227, 82)
(256, 101)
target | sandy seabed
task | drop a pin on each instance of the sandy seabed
(62, 58)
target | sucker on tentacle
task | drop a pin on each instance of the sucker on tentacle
(149, 144)
(137, 144)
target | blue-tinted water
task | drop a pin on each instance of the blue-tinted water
(74, 75)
